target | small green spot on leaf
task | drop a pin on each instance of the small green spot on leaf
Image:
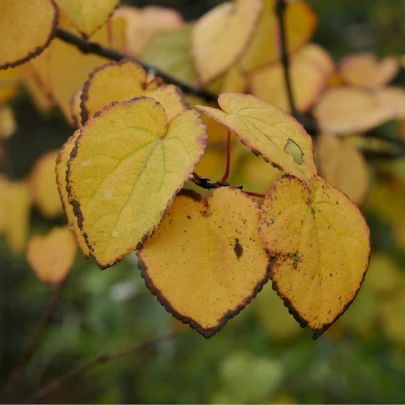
(292, 149)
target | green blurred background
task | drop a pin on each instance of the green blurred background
(261, 356)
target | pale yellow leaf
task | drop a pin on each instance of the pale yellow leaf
(127, 166)
(221, 36)
(266, 130)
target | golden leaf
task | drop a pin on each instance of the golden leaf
(300, 22)
(206, 262)
(51, 256)
(342, 165)
(43, 185)
(365, 70)
(307, 80)
(69, 68)
(143, 25)
(319, 245)
(18, 204)
(124, 80)
(10, 81)
(220, 37)
(128, 164)
(33, 22)
(266, 130)
(88, 15)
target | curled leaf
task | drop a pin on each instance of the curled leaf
(318, 244)
(206, 262)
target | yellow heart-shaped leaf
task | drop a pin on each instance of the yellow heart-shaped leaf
(51, 256)
(126, 168)
(220, 36)
(88, 15)
(26, 29)
(206, 261)
(120, 81)
(319, 246)
(266, 130)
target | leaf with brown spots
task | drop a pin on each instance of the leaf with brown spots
(206, 261)
(266, 130)
(318, 245)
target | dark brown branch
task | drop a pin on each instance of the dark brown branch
(34, 343)
(285, 60)
(98, 361)
(86, 46)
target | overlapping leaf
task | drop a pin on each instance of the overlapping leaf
(300, 22)
(43, 186)
(206, 261)
(343, 166)
(220, 36)
(120, 81)
(266, 130)
(319, 247)
(33, 22)
(88, 15)
(125, 169)
(268, 82)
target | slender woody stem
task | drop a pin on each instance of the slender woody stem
(26, 356)
(98, 361)
(285, 60)
(86, 46)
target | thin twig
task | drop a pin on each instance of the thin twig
(253, 194)
(26, 356)
(228, 158)
(98, 361)
(86, 46)
(285, 60)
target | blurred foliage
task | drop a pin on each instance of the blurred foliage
(261, 356)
